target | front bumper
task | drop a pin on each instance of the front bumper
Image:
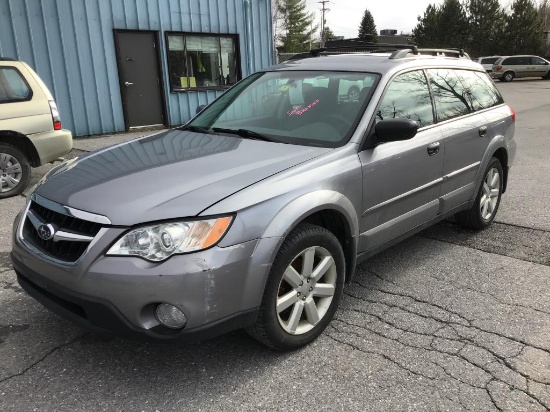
(219, 289)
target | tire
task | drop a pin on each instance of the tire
(15, 171)
(508, 76)
(485, 208)
(306, 303)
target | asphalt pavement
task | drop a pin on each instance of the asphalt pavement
(448, 320)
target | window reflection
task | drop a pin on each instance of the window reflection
(408, 97)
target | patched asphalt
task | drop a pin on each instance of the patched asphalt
(448, 320)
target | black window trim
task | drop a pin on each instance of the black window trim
(369, 131)
(31, 93)
(236, 39)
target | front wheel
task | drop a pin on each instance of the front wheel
(303, 289)
(485, 207)
(15, 171)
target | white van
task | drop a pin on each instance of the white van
(30, 128)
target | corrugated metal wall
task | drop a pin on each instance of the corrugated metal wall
(70, 44)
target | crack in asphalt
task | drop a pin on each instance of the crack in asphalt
(11, 286)
(495, 240)
(43, 358)
(496, 368)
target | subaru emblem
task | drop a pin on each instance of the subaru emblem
(46, 231)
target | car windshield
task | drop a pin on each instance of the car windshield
(297, 107)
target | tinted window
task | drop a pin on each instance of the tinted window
(516, 61)
(489, 60)
(12, 86)
(538, 61)
(479, 89)
(450, 97)
(408, 97)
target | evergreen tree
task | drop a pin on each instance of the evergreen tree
(544, 11)
(524, 29)
(486, 27)
(367, 28)
(445, 26)
(426, 32)
(328, 33)
(297, 25)
(453, 25)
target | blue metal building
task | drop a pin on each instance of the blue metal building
(117, 64)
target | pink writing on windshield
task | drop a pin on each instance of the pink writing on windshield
(300, 110)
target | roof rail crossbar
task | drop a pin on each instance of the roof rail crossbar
(401, 54)
(359, 48)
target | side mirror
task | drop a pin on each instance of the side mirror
(393, 130)
(200, 108)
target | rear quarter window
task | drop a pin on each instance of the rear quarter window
(479, 89)
(13, 87)
(449, 94)
(490, 60)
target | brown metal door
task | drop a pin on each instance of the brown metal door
(140, 79)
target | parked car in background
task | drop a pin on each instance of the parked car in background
(30, 128)
(255, 213)
(508, 68)
(487, 62)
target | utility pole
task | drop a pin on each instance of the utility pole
(323, 21)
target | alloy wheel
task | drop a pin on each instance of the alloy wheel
(490, 194)
(306, 290)
(11, 172)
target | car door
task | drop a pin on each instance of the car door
(539, 66)
(459, 99)
(523, 66)
(401, 180)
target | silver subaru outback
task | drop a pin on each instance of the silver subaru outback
(255, 213)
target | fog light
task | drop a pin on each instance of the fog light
(170, 316)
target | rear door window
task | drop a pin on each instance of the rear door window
(538, 61)
(450, 98)
(408, 97)
(479, 89)
(489, 60)
(13, 86)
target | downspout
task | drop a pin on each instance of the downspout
(248, 29)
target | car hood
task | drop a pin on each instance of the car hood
(168, 175)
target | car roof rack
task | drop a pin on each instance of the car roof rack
(415, 51)
(6, 59)
(360, 48)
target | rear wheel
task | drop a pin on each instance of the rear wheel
(15, 171)
(303, 289)
(508, 76)
(485, 207)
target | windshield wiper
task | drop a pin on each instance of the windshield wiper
(197, 129)
(249, 134)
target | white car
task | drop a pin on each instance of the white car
(487, 62)
(31, 134)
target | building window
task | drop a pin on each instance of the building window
(202, 61)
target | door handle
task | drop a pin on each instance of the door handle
(128, 84)
(433, 149)
(482, 131)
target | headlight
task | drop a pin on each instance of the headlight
(159, 242)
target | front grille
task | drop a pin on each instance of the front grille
(66, 251)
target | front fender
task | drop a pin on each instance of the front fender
(277, 217)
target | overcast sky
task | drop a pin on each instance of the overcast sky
(345, 16)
